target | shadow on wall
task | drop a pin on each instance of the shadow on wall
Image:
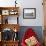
(37, 29)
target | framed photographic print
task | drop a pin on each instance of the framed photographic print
(13, 12)
(29, 13)
(5, 12)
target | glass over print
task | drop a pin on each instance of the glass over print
(29, 13)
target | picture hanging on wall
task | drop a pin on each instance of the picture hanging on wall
(29, 13)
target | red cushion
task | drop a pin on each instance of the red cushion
(29, 33)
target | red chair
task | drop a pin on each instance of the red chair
(29, 33)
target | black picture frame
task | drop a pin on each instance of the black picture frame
(29, 13)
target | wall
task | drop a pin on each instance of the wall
(39, 13)
(27, 4)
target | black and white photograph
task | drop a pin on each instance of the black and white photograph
(29, 13)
